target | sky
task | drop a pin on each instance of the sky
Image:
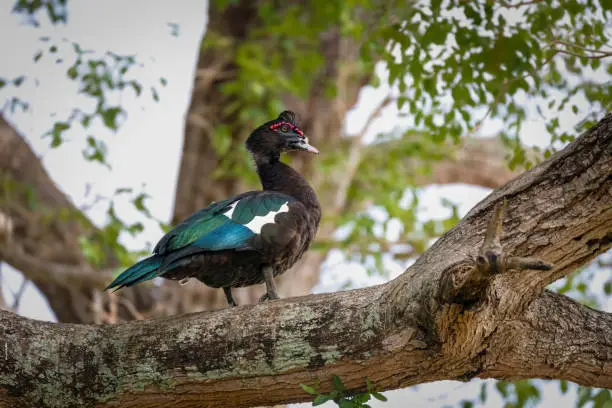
(144, 154)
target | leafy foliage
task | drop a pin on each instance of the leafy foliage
(525, 393)
(97, 247)
(56, 10)
(453, 59)
(342, 397)
(98, 76)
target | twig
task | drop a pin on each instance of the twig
(575, 54)
(19, 294)
(130, 307)
(3, 304)
(98, 199)
(580, 47)
(354, 155)
(521, 3)
(96, 306)
(111, 317)
(65, 275)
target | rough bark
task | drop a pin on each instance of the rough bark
(458, 313)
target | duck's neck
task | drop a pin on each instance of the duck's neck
(277, 176)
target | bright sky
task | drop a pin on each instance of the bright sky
(146, 150)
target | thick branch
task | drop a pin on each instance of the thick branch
(396, 334)
(261, 354)
(555, 338)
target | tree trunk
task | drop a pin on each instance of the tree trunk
(471, 306)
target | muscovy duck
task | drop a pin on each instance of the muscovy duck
(249, 238)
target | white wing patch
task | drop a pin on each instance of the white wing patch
(229, 212)
(258, 222)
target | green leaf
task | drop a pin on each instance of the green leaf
(109, 116)
(361, 398)
(139, 204)
(601, 399)
(502, 387)
(18, 81)
(123, 190)
(369, 385)
(321, 399)
(563, 386)
(343, 403)
(72, 72)
(135, 228)
(61, 126)
(308, 389)
(379, 396)
(483, 393)
(337, 382)
(137, 87)
(584, 396)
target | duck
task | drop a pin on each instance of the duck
(247, 239)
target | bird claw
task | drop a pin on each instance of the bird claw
(491, 259)
(268, 296)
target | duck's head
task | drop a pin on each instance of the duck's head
(279, 135)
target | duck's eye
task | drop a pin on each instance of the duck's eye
(284, 128)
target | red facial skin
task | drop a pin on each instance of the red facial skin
(295, 128)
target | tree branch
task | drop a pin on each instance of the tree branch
(77, 277)
(405, 332)
(555, 337)
(476, 161)
(43, 245)
(354, 155)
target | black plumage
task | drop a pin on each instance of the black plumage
(247, 239)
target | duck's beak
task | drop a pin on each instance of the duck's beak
(304, 145)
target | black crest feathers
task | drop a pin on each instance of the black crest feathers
(289, 116)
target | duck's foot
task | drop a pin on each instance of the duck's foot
(270, 294)
(229, 297)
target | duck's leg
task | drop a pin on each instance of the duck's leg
(268, 273)
(229, 297)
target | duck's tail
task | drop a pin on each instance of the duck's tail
(144, 270)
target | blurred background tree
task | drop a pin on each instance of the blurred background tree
(395, 94)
